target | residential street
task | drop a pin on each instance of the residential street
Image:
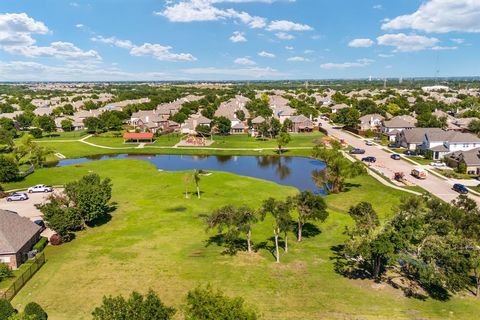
(387, 166)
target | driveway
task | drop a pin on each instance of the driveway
(27, 208)
(386, 165)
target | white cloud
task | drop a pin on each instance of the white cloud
(407, 43)
(308, 51)
(266, 54)
(285, 25)
(161, 53)
(125, 44)
(59, 50)
(246, 61)
(204, 10)
(79, 25)
(298, 59)
(238, 37)
(16, 29)
(458, 40)
(440, 16)
(289, 47)
(384, 55)
(360, 43)
(377, 7)
(440, 48)
(346, 65)
(284, 36)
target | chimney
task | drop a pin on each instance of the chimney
(147, 118)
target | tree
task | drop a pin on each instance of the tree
(275, 127)
(8, 169)
(46, 123)
(366, 219)
(348, 117)
(235, 220)
(179, 117)
(196, 179)
(282, 140)
(35, 312)
(61, 217)
(280, 211)
(207, 304)
(224, 125)
(136, 307)
(337, 169)
(203, 129)
(67, 125)
(93, 124)
(6, 309)
(287, 125)
(187, 179)
(5, 272)
(240, 114)
(474, 126)
(90, 196)
(310, 207)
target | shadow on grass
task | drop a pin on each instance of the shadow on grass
(349, 186)
(231, 246)
(177, 209)
(309, 230)
(104, 218)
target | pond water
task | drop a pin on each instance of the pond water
(291, 171)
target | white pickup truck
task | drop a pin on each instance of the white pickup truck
(40, 188)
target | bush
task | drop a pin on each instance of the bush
(8, 169)
(55, 240)
(5, 271)
(36, 133)
(462, 167)
(6, 309)
(35, 312)
(41, 244)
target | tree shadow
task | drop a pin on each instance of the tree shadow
(309, 230)
(341, 266)
(176, 209)
(348, 186)
(231, 246)
(105, 218)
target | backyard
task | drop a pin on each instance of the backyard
(157, 240)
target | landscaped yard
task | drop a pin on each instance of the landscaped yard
(246, 141)
(157, 240)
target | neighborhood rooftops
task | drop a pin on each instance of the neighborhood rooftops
(15, 231)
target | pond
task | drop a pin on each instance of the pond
(291, 171)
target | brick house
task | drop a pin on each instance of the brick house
(17, 237)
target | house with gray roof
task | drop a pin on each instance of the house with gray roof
(395, 125)
(442, 142)
(302, 124)
(471, 158)
(371, 122)
(17, 237)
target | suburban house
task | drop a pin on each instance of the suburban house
(191, 123)
(371, 122)
(395, 125)
(281, 109)
(463, 123)
(43, 111)
(256, 122)
(471, 158)
(17, 237)
(149, 120)
(230, 108)
(337, 107)
(442, 142)
(413, 138)
(238, 128)
(302, 124)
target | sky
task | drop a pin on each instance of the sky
(161, 40)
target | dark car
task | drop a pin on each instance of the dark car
(392, 145)
(40, 223)
(369, 159)
(395, 156)
(357, 151)
(410, 153)
(460, 188)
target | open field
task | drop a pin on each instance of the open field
(157, 240)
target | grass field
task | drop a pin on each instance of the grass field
(156, 240)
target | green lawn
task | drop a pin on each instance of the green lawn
(246, 141)
(111, 142)
(72, 135)
(157, 240)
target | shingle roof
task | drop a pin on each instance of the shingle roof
(398, 122)
(470, 157)
(15, 231)
(416, 135)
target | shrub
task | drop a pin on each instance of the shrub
(8, 169)
(6, 309)
(36, 133)
(55, 240)
(462, 167)
(35, 312)
(41, 244)
(5, 271)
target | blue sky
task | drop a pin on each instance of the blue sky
(237, 39)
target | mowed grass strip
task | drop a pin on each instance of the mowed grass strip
(156, 239)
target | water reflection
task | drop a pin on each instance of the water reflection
(292, 171)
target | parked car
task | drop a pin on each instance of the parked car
(369, 159)
(460, 188)
(17, 196)
(395, 156)
(369, 143)
(419, 173)
(357, 151)
(438, 164)
(410, 153)
(40, 223)
(40, 188)
(392, 145)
